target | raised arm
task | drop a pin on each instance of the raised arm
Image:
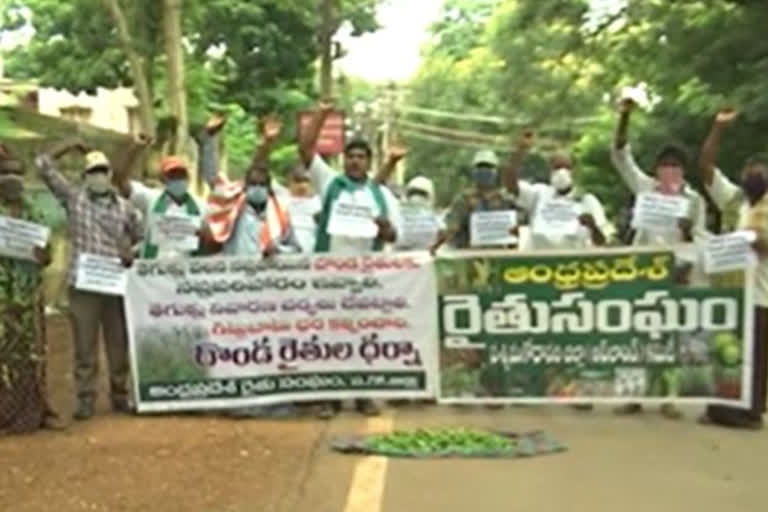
(621, 153)
(396, 153)
(270, 133)
(711, 147)
(208, 162)
(512, 172)
(124, 164)
(53, 179)
(309, 138)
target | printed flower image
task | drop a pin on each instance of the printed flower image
(167, 354)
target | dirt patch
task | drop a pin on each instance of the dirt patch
(167, 463)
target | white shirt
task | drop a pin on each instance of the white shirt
(303, 211)
(534, 196)
(723, 192)
(144, 199)
(639, 182)
(321, 176)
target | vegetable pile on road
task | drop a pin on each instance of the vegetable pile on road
(426, 442)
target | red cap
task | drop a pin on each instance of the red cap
(172, 163)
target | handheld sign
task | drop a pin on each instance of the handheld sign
(420, 228)
(351, 219)
(19, 238)
(557, 217)
(331, 139)
(492, 228)
(178, 232)
(659, 212)
(100, 274)
(729, 252)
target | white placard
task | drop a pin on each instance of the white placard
(100, 274)
(420, 228)
(557, 217)
(732, 251)
(352, 220)
(18, 238)
(303, 211)
(177, 232)
(659, 212)
(492, 228)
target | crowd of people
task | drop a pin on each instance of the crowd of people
(111, 215)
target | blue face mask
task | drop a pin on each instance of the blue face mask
(257, 194)
(484, 176)
(177, 188)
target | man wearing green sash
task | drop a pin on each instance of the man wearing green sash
(358, 214)
(172, 216)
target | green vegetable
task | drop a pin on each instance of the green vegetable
(440, 442)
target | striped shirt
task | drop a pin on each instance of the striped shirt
(97, 225)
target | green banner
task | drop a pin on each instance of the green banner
(608, 326)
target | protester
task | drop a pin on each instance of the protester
(485, 195)
(670, 165)
(24, 406)
(420, 201)
(155, 204)
(352, 187)
(753, 216)
(593, 227)
(247, 218)
(305, 206)
(104, 224)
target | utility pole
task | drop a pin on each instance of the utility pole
(327, 30)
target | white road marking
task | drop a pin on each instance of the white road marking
(367, 488)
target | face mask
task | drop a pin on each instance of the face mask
(561, 179)
(484, 177)
(418, 200)
(257, 195)
(97, 182)
(11, 187)
(177, 188)
(754, 186)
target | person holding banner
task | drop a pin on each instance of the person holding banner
(752, 203)
(103, 227)
(24, 403)
(246, 218)
(172, 216)
(358, 214)
(667, 210)
(485, 215)
(562, 215)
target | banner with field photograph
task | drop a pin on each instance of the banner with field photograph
(611, 326)
(213, 333)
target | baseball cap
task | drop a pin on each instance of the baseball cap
(96, 159)
(172, 163)
(486, 157)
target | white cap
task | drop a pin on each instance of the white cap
(96, 159)
(423, 184)
(487, 157)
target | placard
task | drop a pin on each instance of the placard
(732, 251)
(557, 217)
(177, 232)
(420, 228)
(100, 274)
(18, 238)
(492, 228)
(352, 220)
(659, 212)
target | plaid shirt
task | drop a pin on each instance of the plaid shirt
(97, 225)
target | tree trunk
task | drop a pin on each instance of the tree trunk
(177, 95)
(141, 85)
(326, 45)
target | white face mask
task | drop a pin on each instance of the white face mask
(561, 179)
(418, 200)
(97, 182)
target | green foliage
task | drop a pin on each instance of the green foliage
(167, 354)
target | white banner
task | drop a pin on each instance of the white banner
(226, 332)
